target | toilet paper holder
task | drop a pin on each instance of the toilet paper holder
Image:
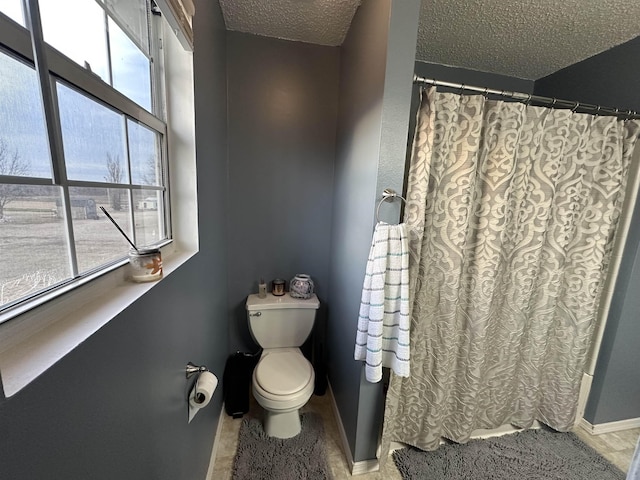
(193, 369)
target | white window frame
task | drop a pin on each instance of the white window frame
(39, 334)
(53, 67)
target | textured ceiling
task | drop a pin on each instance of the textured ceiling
(521, 38)
(323, 22)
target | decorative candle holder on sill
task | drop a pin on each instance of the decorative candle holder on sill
(146, 264)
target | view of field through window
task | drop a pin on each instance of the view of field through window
(109, 159)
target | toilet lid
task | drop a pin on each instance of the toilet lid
(283, 373)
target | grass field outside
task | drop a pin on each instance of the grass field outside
(34, 247)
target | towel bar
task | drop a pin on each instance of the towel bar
(388, 194)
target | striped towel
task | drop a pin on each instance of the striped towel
(383, 324)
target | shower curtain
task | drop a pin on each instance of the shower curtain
(511, 211)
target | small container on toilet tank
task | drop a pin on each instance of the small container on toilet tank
(301, 286)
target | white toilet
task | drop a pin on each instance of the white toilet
(283, 380)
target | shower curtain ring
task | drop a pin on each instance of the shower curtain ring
(461, 89)
(528, 100)
(575, 107)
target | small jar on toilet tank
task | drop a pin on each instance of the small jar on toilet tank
(277, 287)
(301, 286)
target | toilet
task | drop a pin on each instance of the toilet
(283, 381)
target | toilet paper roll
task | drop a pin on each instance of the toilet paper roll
(202, 391)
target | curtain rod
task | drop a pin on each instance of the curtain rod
(528, 98)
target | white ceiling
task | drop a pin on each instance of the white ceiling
(523, 38)
(520, 38)
(323, 22)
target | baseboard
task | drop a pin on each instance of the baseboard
(502, 430)
(356, 468)
(609, 427)
(343, 435)
(393, 446)
(365, 466)
(216, 443)
(585, 389)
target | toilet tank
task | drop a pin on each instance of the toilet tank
(281, 322)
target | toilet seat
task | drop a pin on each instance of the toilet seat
(271, 372)
(283, 373)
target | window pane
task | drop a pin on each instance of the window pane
(107, 159)
(131, 68)
(132, 15)
(148, 217)
(97, 241)
(32, 241)
(77, 29)
(24, 149)
(13, 10)
(93, 139)
(144, 155)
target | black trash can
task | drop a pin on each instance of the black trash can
(236, 382)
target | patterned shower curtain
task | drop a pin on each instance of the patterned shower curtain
(511, 211)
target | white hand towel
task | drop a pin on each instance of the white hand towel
(383, 323)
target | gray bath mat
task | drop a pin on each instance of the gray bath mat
(531, 454)
(302, 457)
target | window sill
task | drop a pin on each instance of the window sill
(37, 339)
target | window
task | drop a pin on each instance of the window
(82, 129)
(13, 9)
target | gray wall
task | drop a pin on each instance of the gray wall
(372, 128)
(115, 407)
(615, 392)
(283, 101)
(609, 79)
(612, 78)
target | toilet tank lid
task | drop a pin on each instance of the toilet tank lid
(254, 302)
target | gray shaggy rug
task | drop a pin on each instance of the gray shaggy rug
(302, 457)
(530, 454)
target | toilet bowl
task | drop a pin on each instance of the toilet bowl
(284, 380)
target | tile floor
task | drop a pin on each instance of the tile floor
(617, 447)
